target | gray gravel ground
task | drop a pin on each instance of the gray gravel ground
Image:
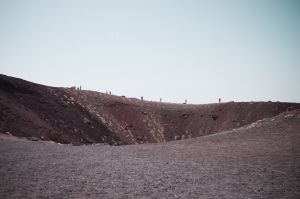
(261, 161)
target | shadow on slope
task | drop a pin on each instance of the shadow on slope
(69, 115)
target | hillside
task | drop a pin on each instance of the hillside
(69, 115)
(260, 160)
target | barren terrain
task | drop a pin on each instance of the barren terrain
(72, 143)
(261, 160)
(69, 115)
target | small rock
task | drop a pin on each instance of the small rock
(86, 121)
(184, 116)
(176, 137)
(8, 133)
(33, 138)
(129, 126)
(214, 117)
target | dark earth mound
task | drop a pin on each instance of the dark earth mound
(261, 160)
(69, 115)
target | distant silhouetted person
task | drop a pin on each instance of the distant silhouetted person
(142, 98)
(80, 87)
(185, 101)
(109, 92)
(160, 99)
(219, 100)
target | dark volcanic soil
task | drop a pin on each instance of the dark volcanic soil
(68, 115)
(261, 160)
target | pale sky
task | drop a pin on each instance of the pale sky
(238, 50)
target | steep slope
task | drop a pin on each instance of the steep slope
(69, 115)
(32, 110)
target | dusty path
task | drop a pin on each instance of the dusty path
(261, 161)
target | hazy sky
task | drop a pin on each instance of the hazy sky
(196, 50)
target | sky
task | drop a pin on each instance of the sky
(198, 50)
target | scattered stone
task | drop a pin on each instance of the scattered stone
(8, 133)
(139, 138)
(129, 126)
(86, 121)
(214, 117)
(177, 137)
(184, 116)
(33, 138)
